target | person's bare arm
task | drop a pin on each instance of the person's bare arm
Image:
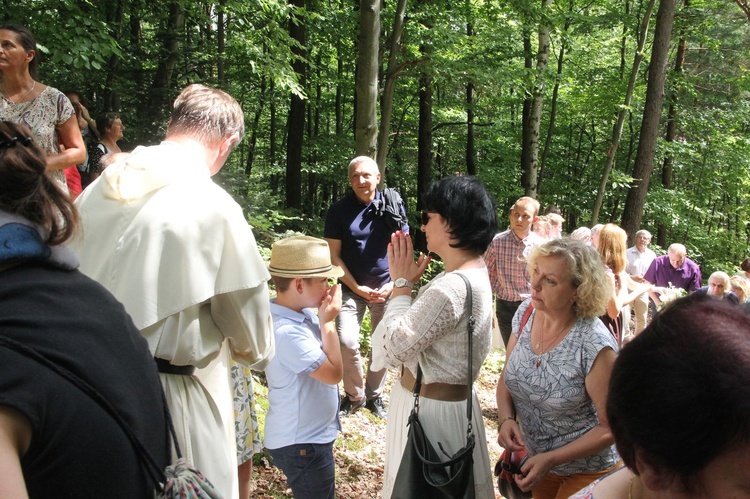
(72, 150)
(598, 438)
(509, 432)
(332, 370)
(15, 437)
(87, 118)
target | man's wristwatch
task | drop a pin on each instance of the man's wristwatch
(401, 282)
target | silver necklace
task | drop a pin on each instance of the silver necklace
(24, 96)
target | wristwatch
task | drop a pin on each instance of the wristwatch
(401, 282)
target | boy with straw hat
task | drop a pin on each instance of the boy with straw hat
(302, 420)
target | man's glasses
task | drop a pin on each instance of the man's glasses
(426, 216)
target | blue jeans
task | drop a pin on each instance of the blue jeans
(309, 468)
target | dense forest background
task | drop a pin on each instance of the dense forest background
(628, 111)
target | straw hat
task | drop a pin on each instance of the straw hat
(302, 256)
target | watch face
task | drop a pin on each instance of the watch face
(401, 282)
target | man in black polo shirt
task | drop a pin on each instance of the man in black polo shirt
(358, 237)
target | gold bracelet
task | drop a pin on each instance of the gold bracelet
(503, 422)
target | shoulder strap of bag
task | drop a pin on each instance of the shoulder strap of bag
(525, 318)
(156, 474)
(470, 381)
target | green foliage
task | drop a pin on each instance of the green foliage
(110, 52)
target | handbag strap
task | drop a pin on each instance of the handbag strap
(470, 381)
(525, 318)
(149, 463)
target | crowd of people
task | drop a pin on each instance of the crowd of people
(155, 295)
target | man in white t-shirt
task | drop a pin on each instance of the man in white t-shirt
(639, 259)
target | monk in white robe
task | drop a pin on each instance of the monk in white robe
(176, 249)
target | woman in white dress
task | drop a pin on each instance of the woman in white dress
(459, 222)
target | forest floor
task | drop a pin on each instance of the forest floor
(360, 448)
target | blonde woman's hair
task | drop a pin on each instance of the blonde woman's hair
(740, 282)
(555, 220)
(586, 270)
(613, 241)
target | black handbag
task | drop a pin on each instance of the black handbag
(424, 472)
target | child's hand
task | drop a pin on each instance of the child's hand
(331, 305)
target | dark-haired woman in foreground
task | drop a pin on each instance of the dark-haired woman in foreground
(55, 441)
(679, 406)
(459, 222)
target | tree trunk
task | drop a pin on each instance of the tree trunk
(221, 45)
(424, 147)
(529, 176)
(254, 132)
(366, 119)
(339, 102)
(386, 102)
(744, 5)
(622, 113)
(471, 153)
(644, 160)
(553, 107)
(528, 64)
(666, 169)
(159, 98)
(296, 116)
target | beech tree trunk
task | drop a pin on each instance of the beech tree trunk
(386, 102)
(528, 64)
(296, 116)
(666, 169)
(529, 177)
(221, 44)
(366, 119)
(159, 95)
(644, 159)
(553, 107)
(622, 113)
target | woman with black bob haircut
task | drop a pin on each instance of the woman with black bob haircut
(431, 332)
(679, 406)
(467, 207)
(55, 440)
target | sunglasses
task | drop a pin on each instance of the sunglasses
(426, 216)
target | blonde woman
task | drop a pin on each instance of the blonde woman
(612, 246)
(552, 392)
(741, 288)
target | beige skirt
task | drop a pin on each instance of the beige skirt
(443, 422)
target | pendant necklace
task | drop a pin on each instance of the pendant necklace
(24, 96)
(538, 361)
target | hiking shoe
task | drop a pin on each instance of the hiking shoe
(377, 407)
(349, 407)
